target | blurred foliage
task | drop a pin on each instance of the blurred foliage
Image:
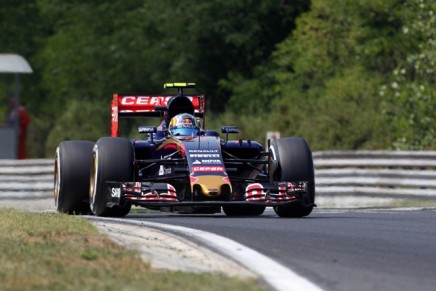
(323, 82)
(409, 92)
(358, 74)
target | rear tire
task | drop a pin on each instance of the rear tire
(247, 210)
(295, 163)
(71, 176)
(112, 161)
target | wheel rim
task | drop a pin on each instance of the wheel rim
(93, 180)
(57, 178)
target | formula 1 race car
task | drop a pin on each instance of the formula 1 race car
(180, 167)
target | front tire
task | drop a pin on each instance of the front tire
(71, 176)
(295, 163)
(112, 161)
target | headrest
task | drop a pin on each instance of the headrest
(179, 104)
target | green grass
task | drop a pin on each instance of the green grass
(51, 251)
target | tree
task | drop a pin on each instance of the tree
(410, 91)
(93, 52)
(323, 80)
(22, 30)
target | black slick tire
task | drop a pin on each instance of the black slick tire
(295, 163)
(112, 161)
(243, 210)
(71, 176)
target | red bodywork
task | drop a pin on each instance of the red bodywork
(138, 105)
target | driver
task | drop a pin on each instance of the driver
(183, 124)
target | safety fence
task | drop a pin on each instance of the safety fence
(406, 174)
(26, 178)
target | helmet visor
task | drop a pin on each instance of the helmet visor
(185, 131)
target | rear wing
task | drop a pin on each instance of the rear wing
(147, 106)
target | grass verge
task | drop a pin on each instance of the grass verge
(51, 251)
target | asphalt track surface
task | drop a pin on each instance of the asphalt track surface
(335, 249)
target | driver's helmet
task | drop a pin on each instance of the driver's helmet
(183, 124)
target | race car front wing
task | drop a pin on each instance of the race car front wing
(164, 194)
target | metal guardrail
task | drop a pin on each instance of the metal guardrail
(402, 174)
(26, 178)
(405, 174)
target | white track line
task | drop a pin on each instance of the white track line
(275, 274)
